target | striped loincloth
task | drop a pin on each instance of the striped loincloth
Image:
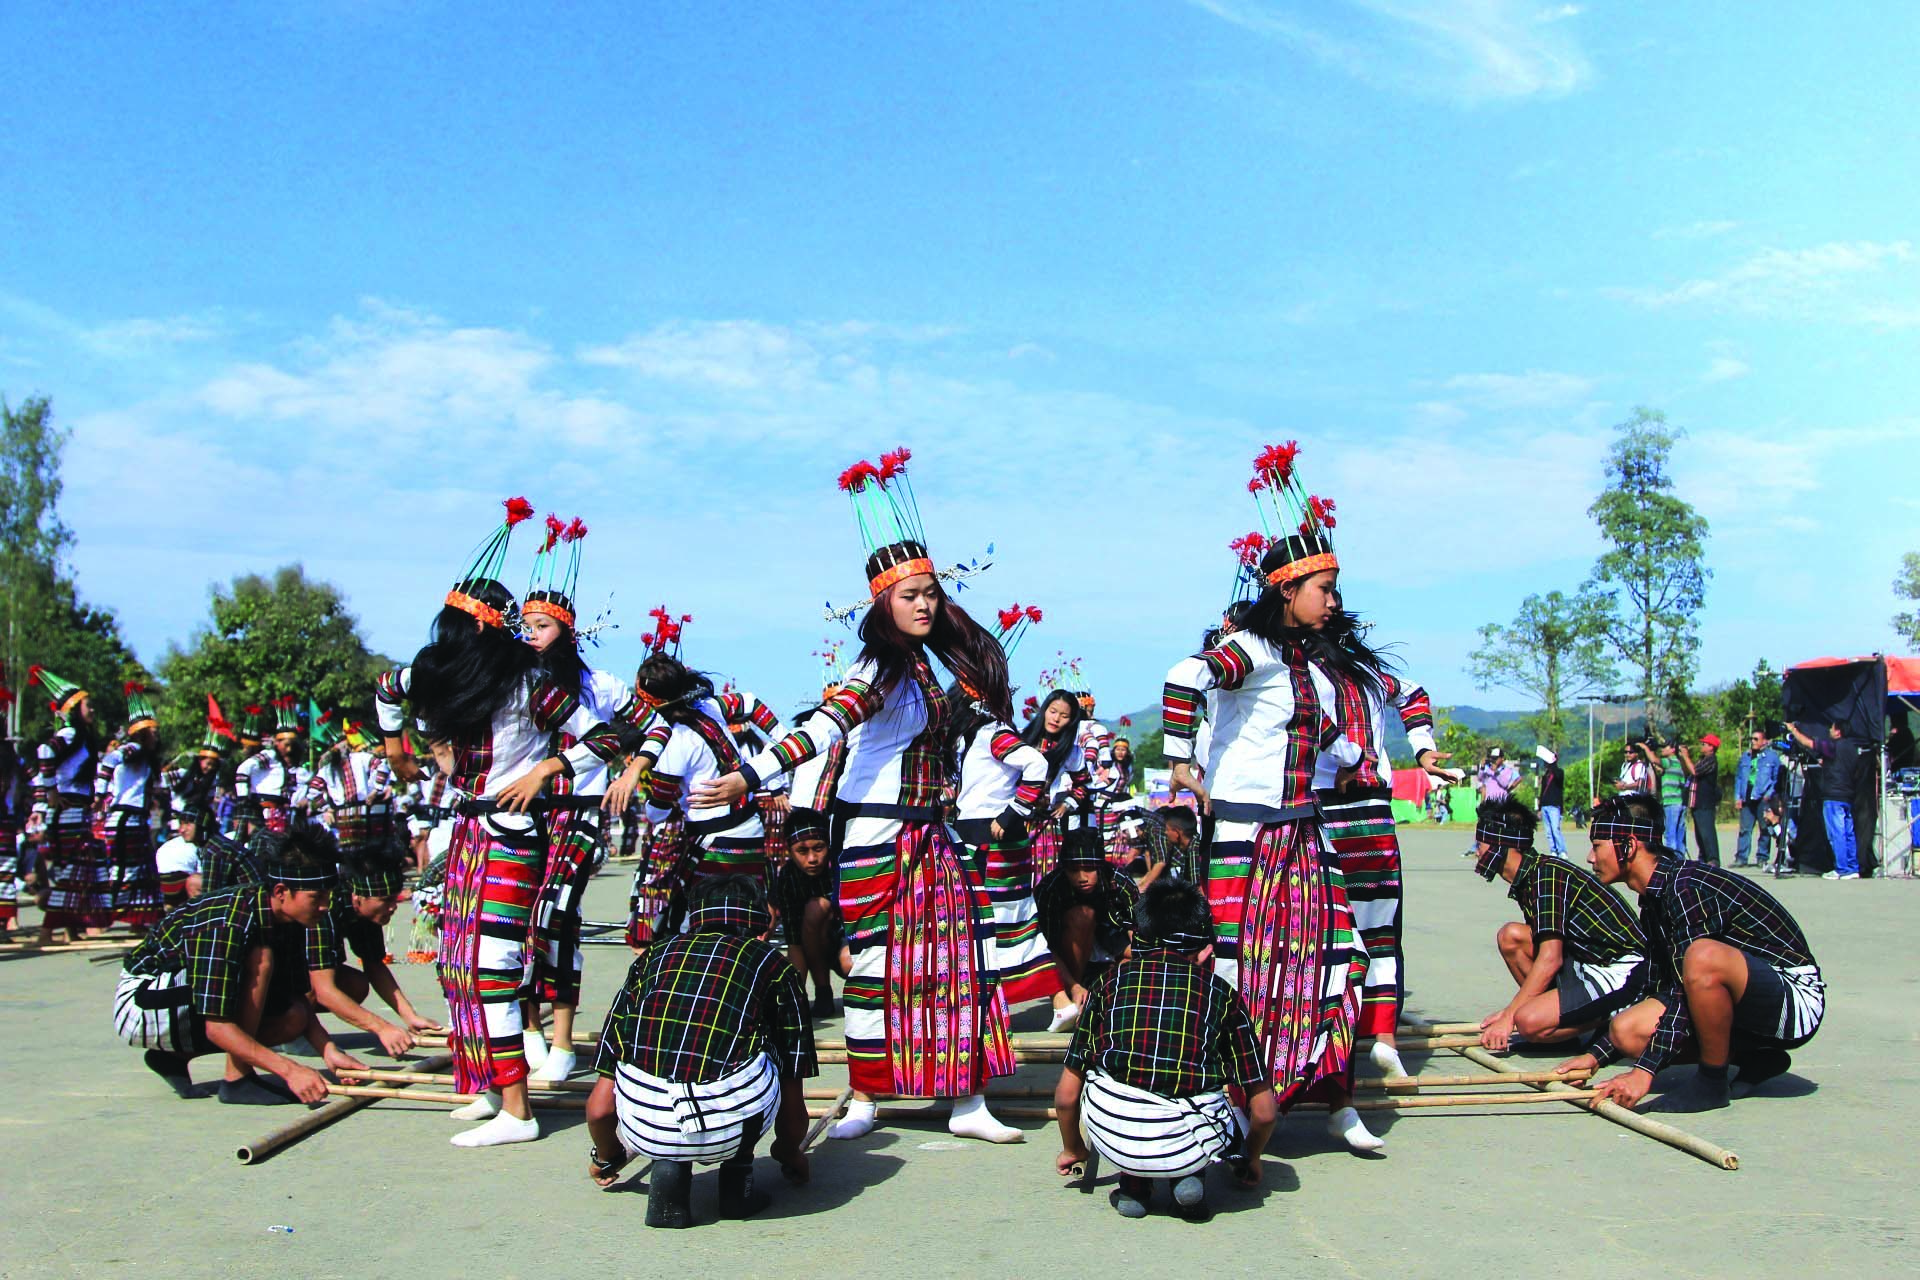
(706, 1123)
(1152, 1136)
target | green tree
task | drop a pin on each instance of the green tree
(1907, 587)
(287, 634)
(1553, 651)
(42, 617)
(1654, 576)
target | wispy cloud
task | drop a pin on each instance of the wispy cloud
(1462, 50)
(1534, 389)
(1844, 280)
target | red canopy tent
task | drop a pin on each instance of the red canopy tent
(1857, 693)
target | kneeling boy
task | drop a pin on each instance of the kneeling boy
(704, 1051)
(1159, 1042)
(363, 903)
(1086, 915)
(1576, 955)
(805, 896)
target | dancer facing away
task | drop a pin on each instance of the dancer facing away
(576, 824)
(224, 974)
(705, 1050)
(1287, 940)
(1576, 954)
(1162, 1039)
(478, 686)
(1732, 975)
(915, 1028)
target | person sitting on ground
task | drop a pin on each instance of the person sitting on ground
(1159, 1043)
(704, 1050)
(1732, 975)
(1169, 835)
(178, 861)
(362, 905)
(805, 897)
(224, 974)
(1086, 916)
(1576, 955)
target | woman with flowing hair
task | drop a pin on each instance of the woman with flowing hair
(1054, 731)
(1286, 938)
(925, 1017)
(478, 686)
(13, 804)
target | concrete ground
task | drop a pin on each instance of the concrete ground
(104, 1168)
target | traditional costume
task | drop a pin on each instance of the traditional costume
(128, 786)
(1112, 900)
(14, 800)
(80, 879)
(1287, 940)
(273, 781)
(351, 792)
(246, 820)
(925, 1016)
(496, 858)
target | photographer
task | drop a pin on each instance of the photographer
(1703, 796)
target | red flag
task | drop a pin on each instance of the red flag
(217, 720)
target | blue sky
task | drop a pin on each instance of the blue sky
(325, 282)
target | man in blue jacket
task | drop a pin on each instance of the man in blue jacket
(1755, 778)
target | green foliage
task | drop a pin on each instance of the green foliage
(1907, 587)
(1553, 651)
(285, 635)
(42, 617)
(1654, 576)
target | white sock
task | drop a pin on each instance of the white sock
(1064, 1018)
(1345, 1125)
(557, 1067)
(1387, 1058)
(535, 1045)
(857, 1123)
(971, 1119)
(499, 1131)
(484, 1107)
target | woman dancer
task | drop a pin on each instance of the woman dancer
(1054, 730)
(1286, 934)
(129, 786)
(481, 688)
(925, 1018)
(576, 825)
(79, 898)
(13, 805)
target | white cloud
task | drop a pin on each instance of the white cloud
(1534, 389)
(1833, 281)
(1463, 50)
(1725, 369)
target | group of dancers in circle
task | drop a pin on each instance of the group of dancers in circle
(943, 858)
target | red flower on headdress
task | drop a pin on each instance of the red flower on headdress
(1033, 613)
(575, 531)
(893, 463)
(1125, 721)
(132, 687)
(1031, 706)
(554, 530)
(1319, 514)
(255, 709)
(855, 477)
(1275, 462)
(686, 617)
(518, 509)
(1256, 484)
(1010, 617)
(1250, 548)
(6, 697)
(34, 674)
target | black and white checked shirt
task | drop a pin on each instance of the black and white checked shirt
(1566, 902)
(208, 940)
(1161, 1023)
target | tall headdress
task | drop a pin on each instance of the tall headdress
(487, 564)
(140, 712)
(361, 736)
(286, 715)
(1065, 676)
(322, 727)
(1013, 623)
(1248, 581)
(63, 695)
(1299, 525)
(556, 571)
(217, 728)
(833, 664)
(251, 717)
(665, 634)
(890, 528)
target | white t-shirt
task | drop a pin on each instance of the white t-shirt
(178, 857)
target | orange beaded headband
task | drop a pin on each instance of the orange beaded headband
(480, 609)
(1302, 568)
(548, 607)
(900, 573)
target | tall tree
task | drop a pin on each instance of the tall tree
(1654, 575)
(288, 634)
(1907, 587)
(1553, 651)
(42, 617)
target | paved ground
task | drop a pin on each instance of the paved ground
(105, 1168)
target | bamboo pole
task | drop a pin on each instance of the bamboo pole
(438, 1098)
(1411, 1028)
(87, 944)
(1424, 1102)
(320, 1117)
(1655, 1129)
(824, 1116)
(401, 1077)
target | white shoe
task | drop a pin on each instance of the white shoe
(499, 1132)
(557, 1067)
(971, 1119)
(1387, 1058)
(857, 1123)
(535, 1046)
(1345, 1124)
(1065, 1018)
(484, 1107)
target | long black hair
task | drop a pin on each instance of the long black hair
(960, 643)
(1035, 733)
(560, 661)
(467, 673)
(1340, 646)
(676, 688)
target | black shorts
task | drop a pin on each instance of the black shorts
(1775, 1009)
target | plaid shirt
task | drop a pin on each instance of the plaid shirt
(1112, 900)
(208, 940)
(792, 889)
(697, 1006)
(339, 928)
(1683, 903)
(1161, 1023)
(1563, 901)
(922, 763)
